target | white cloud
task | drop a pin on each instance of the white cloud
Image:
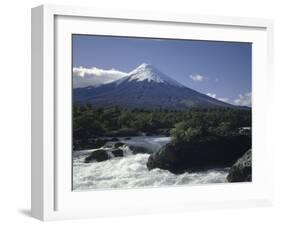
(213, 95)
(223, 99)
(244, 99)
(83, 77)
(198, 78)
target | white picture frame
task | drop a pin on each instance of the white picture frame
(52, 197)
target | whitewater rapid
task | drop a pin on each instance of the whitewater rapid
(130, 171)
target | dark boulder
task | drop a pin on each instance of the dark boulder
(212, 152)
(117, 152)
(114, 139)
(104, 154)
(98, 155)
(241, 171)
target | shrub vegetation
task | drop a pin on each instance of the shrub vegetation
(90, 122)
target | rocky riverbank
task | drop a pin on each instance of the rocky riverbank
(241, 171)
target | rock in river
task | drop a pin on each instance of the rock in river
(103, 155)
(241, 171)
(215, 152)
(117, 152)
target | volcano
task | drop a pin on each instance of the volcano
(146, 87)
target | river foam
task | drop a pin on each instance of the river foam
(131, 172)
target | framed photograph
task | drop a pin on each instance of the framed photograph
(137, 112)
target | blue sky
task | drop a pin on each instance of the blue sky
(219, 69)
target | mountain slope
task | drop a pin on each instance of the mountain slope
(147, 88)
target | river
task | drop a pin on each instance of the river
(130, 171)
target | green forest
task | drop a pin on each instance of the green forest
(90, 123)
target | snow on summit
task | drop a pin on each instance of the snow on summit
(150, 73)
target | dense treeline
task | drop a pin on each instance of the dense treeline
(90, 122)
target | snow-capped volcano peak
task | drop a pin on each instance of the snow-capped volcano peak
(145, 88)
(147, 72)
(144, 66)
